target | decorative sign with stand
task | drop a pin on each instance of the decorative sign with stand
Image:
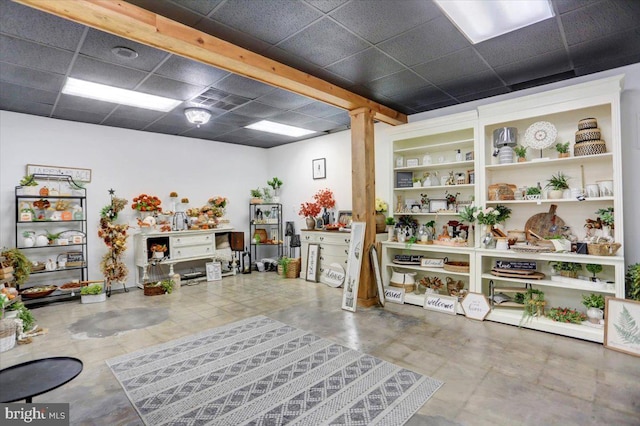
(440, 303)
(476, 306)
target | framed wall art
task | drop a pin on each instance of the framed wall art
(77, 174)
(436, 205)
(622, 325)
(312, 263)
(319, 168)
(354, 262)
(214, 271)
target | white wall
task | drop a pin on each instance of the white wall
(131, 162)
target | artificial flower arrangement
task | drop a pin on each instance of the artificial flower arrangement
(566, 315)
(468, 213)
(146, 203)
(114, 236)
(309, 209)
(381, 205)
(218, 201)
(324, 199)
(491, 216)
(193, 212)
(158, 248)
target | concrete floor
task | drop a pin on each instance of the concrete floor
(494, 374)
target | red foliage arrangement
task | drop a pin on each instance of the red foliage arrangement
(324, 198)
(146, 203)
(309, 209)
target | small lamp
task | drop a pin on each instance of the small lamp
(197, 116)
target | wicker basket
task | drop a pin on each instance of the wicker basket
(293, 268)
(153, 290)
(7, 334)
(408, 288)
(587, 123)
(456, 266)
(589, 148)
(603, 249)
(588, 135)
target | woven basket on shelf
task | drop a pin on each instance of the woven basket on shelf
(456, 266)
(589, 148)
(408, 288)
(8, 329)
(603, 249)
(293, 268)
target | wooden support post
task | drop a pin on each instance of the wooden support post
(364, 195)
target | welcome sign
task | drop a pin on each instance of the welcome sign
(440, 303)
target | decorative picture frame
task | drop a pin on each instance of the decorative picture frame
(621, 330)
(476, 306)
(438, 204)
(471, 176)
(404, 179)
(413, 162)
(319, 224)
(313, 252)
(354, 263)
(77, 174)
(373, 254)
(468, 156)
(214, 271)
(319, 168)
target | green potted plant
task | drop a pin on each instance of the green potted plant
(605, 216)
(93, 293)
(521, 153)
(595, 307)
(390, 221)
(566, 269)
(275, 184)
(256, 196)
(566, 315)
(533, 193)
(417, 182)
(563, 149)
(632, 280)
(21, 265)
(534, 304)
(557, 184)
(594, 268)
(29, 185)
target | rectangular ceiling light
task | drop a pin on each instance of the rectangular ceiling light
(102, 92)
(279, 129)
(482, 20)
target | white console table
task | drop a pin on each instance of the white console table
(182, 246)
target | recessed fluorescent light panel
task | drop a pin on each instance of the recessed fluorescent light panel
(482, 20)
(279, 129)
(102, 92)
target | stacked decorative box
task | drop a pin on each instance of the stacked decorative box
(589, 138)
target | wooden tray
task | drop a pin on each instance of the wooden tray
(541, 223)
(262, 234)
(534, 276)
(515, 271)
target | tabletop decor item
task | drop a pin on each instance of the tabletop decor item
(540, 135)
(589, 138)
(309, 211)
(146, 203)
(381, 208)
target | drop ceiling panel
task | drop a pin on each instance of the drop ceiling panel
(326, 5)
(29, 77)
(188, 71)
(32, 108)
(271, 21)
(620, 45)
(170, 9)
(208, 131)
(106, 73)
(564, 6)
(284, 99)
(39, 26)
(25, 94)
(257, 110)
(426, 96)
(318, 109)
(365, 66)
(600, 19)
(142, 114)
(456, 65)
(232, 35)
(85, 104)
(172, 124)
(78, 115)
(434, 39)
(203, 7)
(243, 86)
(33, 55)
(291, 118)
(544, 65)
(124, 122)
(400, 84)
(377, 21)
(161, 86)
(323, 43)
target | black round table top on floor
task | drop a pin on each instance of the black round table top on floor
(32, 378)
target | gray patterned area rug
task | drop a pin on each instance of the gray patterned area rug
(259, 371)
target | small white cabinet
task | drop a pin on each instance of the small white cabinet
(182, 246)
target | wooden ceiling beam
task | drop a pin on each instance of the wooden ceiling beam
(134, 23)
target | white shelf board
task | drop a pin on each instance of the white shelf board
(587, 286)
(433, 166)
(550, 201)
(559, 161)
(579, 331)
(422, 188)
(553, 256)
(436, 147)
(429, 248)
(425, 269)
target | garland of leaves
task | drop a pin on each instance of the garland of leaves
(115, 237)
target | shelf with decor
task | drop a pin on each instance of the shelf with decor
(587, 116)
(265, 228)
(51, 230)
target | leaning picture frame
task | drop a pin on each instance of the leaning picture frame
(373, 253)
(214, 271)
(319, 168)
(354, 263)
(621, 328)
(436, 205)
(311, 272)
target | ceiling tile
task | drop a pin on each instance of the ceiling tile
(31, 24)
(312, 43)
(125, 122)
(188, 71)
(365, 66)
(26, 94)
(403, 83)
(171, 10)
(569, 5)
(105, 73)
(203, 7)
(284, 99)
(600, 19)
(233, 119)
(240, 136)
(30, 78)
(218, 100)
(271, 21)
(439, 104)
(243, 86)
(210, 131)
(257, 110)
(232, 35)
(320, 125)
(436, 38)
(426, 96)
(174, 123)
(141, 114)
(98, 45)
(450, 67)
(31, 108)
(78, 115)
(319, 109)
(606, 48)
(340, 118)
(604, 65)
(471, 84)
(326, 6)
(525, 43)
(33, 55)
(484, 94)
(291, 118)
(544, 65)
(377, 21)
(169, 88)
(84, 104)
